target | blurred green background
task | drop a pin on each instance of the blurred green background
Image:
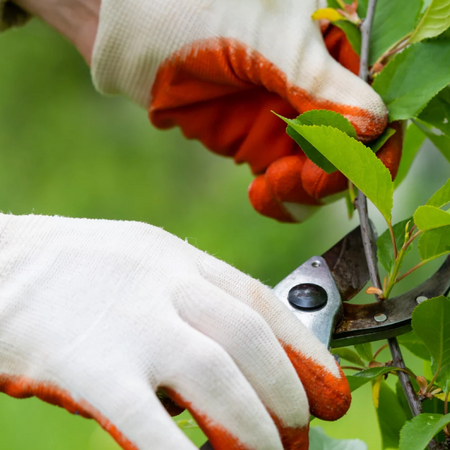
(66, 150)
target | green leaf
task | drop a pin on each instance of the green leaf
(429, 217)
(327, 118)
(391, 416)
(413, 78)
(434, 243)
(441, 197)
(434, 406)
(318, 117)
(380, 141)
(361, 378)
(413, 140)
(362, 8)
(434, 22)
(356, 161)
(348, 355)
(443, 378)
(418, 432)
(318, 440)
(385, 251)
(437, 112)
(431, 322)
(365, 351)
(310, 151)
(333, 4)
(352, 32)
(414, 344)
(349, 204)
(393, 20)
(441, 142)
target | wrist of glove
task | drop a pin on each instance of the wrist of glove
(217, 69)
(96, 316)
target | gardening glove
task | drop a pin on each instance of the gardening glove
(217, 68)
(96, 316)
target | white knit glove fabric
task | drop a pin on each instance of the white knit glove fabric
(135, 37)
(96, 315)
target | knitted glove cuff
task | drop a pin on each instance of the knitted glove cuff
(12, 15)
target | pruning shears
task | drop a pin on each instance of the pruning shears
(317, 292)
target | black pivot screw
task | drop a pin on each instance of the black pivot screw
(308, 297)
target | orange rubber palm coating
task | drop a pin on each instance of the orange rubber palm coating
(24, 387)
(222, 93)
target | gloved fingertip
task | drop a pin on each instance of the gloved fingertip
(319, 184)
(371, 117)
(391, 152)
(328, 395)
(264, 203)
(284, 180)
(293, 438)
(219, 437)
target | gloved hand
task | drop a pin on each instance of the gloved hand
(96, 315)
(217, 68)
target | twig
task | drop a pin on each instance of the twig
(361, 205)
(413, 401)
(394, 243)
(379, 351)
(417, 266)
(411, 239)
(368, 244)
(366, 28)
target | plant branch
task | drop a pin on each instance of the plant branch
(379, 351)
(400, 278)
(361, 204)
(368, 244)
(394, 243)
(413, 401)
(411, 239)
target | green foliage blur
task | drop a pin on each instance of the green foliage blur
(66, 150)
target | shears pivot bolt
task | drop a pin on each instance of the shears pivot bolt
(308, 297)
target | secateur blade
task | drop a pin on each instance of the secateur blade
(389, 318)
(347, 263)
(315, 290)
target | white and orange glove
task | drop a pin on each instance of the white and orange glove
(217, 68)
(96, 316)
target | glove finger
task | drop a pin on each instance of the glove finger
(125, 407)
(391, 152)
(325, 384)
(340, 49)
(250, 133)
(335, 88)
(202, 377)
(265, 202)
(248, 339)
